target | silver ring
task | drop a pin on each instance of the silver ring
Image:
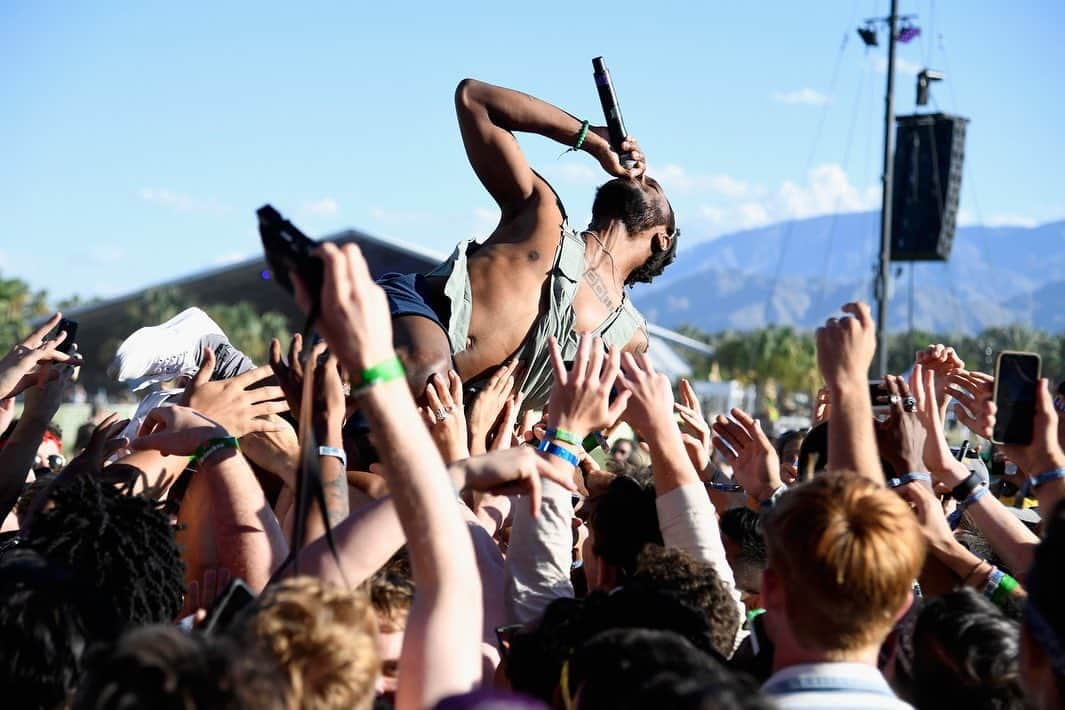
(909, 403)
(894, 399)
(450, 408)
(442, 414)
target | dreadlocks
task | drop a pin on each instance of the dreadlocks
(122, 543)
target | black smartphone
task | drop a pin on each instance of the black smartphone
(289, 250)
(1016, 377)
(70, 327)
(229, 603)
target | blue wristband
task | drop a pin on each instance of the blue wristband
(1055, 474)
(993, 581)
(908, 478)
(955, 518)
(553, 449)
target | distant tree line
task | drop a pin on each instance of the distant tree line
(781, 362)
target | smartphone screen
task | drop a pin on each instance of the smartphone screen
(1016, 376)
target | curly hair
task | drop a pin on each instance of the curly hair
(160, 666)
(694, 583)
(46, 618)
(120, 543)
(324, 640)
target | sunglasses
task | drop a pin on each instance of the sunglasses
(54, 462)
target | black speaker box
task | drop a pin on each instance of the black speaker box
(929, 149)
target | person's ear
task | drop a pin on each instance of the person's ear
(661, 240)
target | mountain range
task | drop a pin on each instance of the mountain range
(799, 272)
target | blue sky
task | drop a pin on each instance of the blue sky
(136, 139)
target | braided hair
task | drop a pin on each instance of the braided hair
(120, 543)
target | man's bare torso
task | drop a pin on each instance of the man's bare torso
(507, 277)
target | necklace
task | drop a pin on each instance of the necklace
(602, 247)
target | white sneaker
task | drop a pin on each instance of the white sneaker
(162, 352)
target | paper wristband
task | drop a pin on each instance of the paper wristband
(387, 371)
(563, 435)
(553, 449)
(335, 453)
(212, 447)
(908, 478)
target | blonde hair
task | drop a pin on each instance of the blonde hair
(324, 640)
(846, 552)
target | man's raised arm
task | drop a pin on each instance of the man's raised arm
(488, 115)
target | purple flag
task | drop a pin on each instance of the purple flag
(908, 33)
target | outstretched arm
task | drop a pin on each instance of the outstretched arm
(488, 115)
(845, 348)
(441, 649)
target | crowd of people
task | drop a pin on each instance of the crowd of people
(487, 560)
(471, 489)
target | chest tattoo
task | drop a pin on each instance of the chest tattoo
(599, 288)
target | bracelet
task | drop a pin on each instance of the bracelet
(1005, 588)
(212, 447)
(993, 581)
(954, 519)
(908, 478)
(566, 437)
(553, 449)
(582, 136)
(335, 453)
(964, 489)
(978, 565)
(1055, 474)
(387, 371)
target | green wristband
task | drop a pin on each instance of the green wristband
(566, 437)
(387, 371)
(1005, 588)
(582, 136)
(212, 447)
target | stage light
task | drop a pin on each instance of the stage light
(868, 35)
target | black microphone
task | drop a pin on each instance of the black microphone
(611, 110)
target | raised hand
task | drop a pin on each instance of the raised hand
(104, 441)
(446, 417)
(940, 360)
(510, 472)
(329, 404)
(176, 431)
(18, 369)
(694, 428)
(43, 399)
(975, 393)
(504, 436)
(745, 447)
(354, 316)
(289, 375)
(845, 347)
(611, 161)
(580, 396)
(937, 456)
(488, 406)
(901, 438)
(934, 526)
(239, 409)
